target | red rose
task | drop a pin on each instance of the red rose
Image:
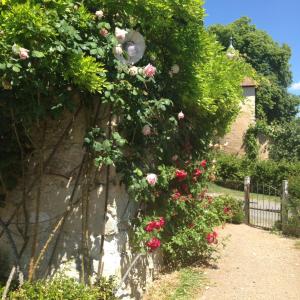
(181, 174)
(162, 222)
(212, 237)
(150, 226)
(155, 224)
(159, 224)
(227, 210)
(197, 172)
(203, 163)
(153, 244)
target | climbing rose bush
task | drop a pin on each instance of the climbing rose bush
(189, 217)
(76, 45)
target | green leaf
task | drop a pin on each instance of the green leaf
(37, 54)
(16, 69)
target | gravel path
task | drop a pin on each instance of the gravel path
(255, 265)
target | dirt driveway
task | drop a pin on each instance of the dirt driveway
(255, 265)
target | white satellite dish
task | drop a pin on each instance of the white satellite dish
(133, 48)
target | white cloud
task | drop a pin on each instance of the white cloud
(295, 86)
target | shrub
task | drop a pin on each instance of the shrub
(293, 225)
(232, 208)
(183, 218)
(231, 168)
(64, 288)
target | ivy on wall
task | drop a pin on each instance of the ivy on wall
(251, 142)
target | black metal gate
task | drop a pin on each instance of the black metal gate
(263, 205)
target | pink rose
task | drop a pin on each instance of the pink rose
(120, 34)
(180, 115)
(103, 32)
(23, 53)
(146, 130)
(149, 70)
(151, 179)
(99, 14)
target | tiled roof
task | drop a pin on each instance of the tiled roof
(248, 82)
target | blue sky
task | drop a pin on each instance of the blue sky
(281, 19)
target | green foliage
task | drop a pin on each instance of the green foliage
(261, 128)
(86, 73)
(251, 143)
(274, 103)
(68, 56)
(270, 60)
(64, 288)
(189, 214)
(234, 168)
(234, 208)
(293, 225)
(189, 281)
(60, 38)
(286, 141)
(105, 151)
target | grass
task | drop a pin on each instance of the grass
(213, 188)
(184, 284)
(297, 245)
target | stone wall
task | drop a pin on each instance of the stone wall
(82, 221)
(240, 126)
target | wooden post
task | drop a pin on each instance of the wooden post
(284, 205)
(247, 199)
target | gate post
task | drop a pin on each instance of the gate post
(247, 199)
(284, 205)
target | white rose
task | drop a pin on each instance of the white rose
(120, 34)
(180, 115)
(118, 49)
(133, 71)
(99, 14)
(175, 69)
(146, 130)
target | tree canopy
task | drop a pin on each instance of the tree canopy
(271, 60)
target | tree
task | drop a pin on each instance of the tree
(270, 60)
(286, 143)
